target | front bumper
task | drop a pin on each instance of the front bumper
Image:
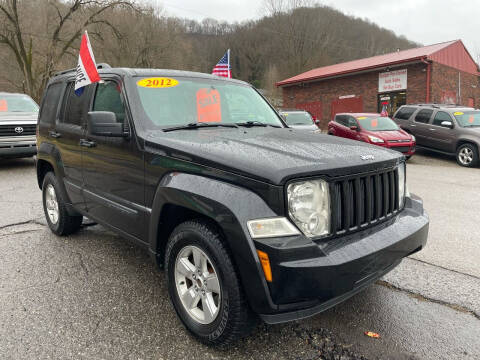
(310, 277)
(20, 148)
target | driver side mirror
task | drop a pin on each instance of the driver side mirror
(447, 124)
(104, 123)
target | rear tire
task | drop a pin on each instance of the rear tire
(54, 206)
(196, 256)
(467, 155)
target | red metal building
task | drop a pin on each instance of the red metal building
(440, 73)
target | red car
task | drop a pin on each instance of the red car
(374, 129)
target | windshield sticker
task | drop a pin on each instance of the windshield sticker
(374, 122)
(361, 117)
(156, 83)
(458, 113)
(208, 105)
(3, 105)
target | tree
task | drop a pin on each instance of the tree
(62, 24)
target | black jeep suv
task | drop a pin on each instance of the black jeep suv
(248, 217)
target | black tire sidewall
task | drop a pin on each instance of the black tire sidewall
(190, 237)
(475, 155)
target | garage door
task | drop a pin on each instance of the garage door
(353, 104)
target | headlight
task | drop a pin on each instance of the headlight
(309, 206)
(401, 185)
(271, 227)
(413, 138)
(374, 139)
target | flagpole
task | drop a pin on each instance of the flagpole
(229, 68)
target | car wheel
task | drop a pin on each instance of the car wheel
(58, 218)
(203, 285)
(467, 155)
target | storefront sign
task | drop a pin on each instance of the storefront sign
(392, 80)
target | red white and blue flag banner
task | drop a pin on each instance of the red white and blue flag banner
(87, 68)
(384, 109)
(223, 67)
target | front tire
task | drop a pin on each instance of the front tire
(467, 155)
(54, 206)
(203, 285)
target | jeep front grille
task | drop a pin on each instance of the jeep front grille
(9, 130)
(364, 200)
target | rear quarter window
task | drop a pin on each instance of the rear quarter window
(48, 112)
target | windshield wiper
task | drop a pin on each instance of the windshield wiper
(197, 126)
(255, 123)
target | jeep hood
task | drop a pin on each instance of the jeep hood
(272, 155)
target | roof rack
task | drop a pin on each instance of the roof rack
(437, 106)
(99, 66)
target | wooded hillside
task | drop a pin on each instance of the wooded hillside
(39, 37)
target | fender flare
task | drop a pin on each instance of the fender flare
(49, 153)
(218, 201)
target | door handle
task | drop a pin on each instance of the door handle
(432, 129)
(87, 143)
(413, 125)
(54, 134)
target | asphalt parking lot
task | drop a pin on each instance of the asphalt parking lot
(95, 296)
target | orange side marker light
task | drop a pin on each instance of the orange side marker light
(372, 334)
(265, 261)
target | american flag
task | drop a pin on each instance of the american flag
(223, 66)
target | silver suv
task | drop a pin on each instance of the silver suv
(448, 129)
(18, 121)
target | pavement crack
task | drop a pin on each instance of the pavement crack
(33, 221)
(445, 268)
(82, 263)
(429, 299)
(5, 229)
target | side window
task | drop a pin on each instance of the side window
(404, 113)
(48, 112)
(351, 121)
(423, 116)
(440, 117)
(108, 98)
(73, 108)
(341, 119)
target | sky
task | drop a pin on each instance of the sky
(423, 21)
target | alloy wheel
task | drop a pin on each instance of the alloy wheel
(51, 203)
(465, 156)
(197, 284)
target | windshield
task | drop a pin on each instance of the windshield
(377, 123)
(297, 118)
(468, 118)
(17, 103)
(182, 101)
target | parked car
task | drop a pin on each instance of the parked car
(448, 129)
(18, 121)
(248, 217)
(300, 120)
(373, 129)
